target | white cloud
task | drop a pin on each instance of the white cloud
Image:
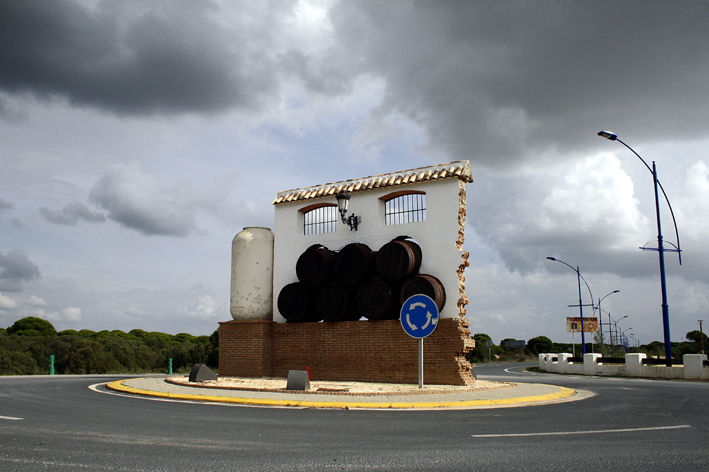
(693, 208)
(7, 303)
(596, 196)
(203, 309)
(135, 200)
(35, 301)
(71, 314)
(66, 315)
(71, 214)
(586, 208)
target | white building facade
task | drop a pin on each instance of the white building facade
(436, 222)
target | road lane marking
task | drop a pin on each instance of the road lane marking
(566, 433)
(10, 418)
(510, 372)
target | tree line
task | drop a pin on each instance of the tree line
(25, 348)
(542, 344)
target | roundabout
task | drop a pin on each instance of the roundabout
(351, 395)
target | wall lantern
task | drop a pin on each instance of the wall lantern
(343, 201)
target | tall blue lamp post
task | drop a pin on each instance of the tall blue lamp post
(600, 314)
(660, 246)
(578, 277)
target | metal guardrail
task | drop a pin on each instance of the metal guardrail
(649, 361)
(611, 360)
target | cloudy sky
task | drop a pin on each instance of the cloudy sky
(138, 137)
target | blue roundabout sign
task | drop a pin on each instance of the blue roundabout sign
(419, 316)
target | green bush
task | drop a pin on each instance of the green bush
(32, 326)
(539, 345)
(25, 348)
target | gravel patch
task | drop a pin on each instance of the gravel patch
(337, 387)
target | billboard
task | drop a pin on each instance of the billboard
(515, 344)
(590, 324)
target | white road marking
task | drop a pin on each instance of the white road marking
(10, 418)
(567, 433)
(95, 388)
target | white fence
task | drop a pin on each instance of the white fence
(693, 367)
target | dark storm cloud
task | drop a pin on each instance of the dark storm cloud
(129, 57)
(495, 81)
(5, 205)
(15, 267)
(71, 214)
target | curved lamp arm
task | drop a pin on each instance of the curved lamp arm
(614, 137)
(575, 269)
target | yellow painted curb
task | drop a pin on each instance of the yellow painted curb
(561, 394)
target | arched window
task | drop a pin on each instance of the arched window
(319, 218)
(406, 206)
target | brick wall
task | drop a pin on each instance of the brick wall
(375, 351)
(245, 348)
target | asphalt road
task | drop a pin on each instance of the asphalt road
(57, 423)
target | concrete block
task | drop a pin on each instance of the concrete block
(693, 365)
(634, 364)
(563, 365)
(298, 380)
(201, 372)
(590, 363)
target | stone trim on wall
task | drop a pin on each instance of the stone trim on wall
(462, 212)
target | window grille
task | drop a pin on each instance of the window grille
(408, 208)
(320, 220)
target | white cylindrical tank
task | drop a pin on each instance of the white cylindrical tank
(252, 274)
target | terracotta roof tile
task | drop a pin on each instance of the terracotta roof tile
(459, 169)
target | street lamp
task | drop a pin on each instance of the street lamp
(625, 338)
(600, 314)
(578, 277)
(660, 247)
(701, 334)
(615, 323)
(343, 202)
(634, 340)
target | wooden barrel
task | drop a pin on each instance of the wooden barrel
(424, 284)
(353, 263)
(335, 302)
(314, 266)
(295, 302)
(398, 259)
(378, 300)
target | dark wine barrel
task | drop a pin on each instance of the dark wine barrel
(314, 266)
(378, 300)
(335, 302)
(398, 259)
(426, 285)
(295, 303)
(353, 263)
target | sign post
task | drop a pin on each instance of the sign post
(419, 318)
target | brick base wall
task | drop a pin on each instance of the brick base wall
(245, 348)
(374, 351)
